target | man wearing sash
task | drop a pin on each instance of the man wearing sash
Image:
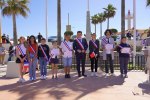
(80, 46)
(94, 53)
(66, 50)
(108, 52)
(43, 55)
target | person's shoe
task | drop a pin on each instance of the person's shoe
(112, 74)
(125, 76)
(79, 75)
(30, 79)
(56, 77)
(42, 77)
(84, 75)
(69, 76)
(23, 80)
(66, 76)
(34, 79)
(95, 74)
(106, 75)
(53, 77)
(121, 76)
(20, 80)
(92, 74)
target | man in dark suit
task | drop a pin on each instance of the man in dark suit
(94, 53)
(80, 46)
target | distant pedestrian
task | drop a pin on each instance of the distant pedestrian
(11, 52)
(39, 37)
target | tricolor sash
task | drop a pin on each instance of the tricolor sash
(80, 44)
(67, 46)
(21, 51)
(32, 49)
(105, 41)
(51, 55)
(95, 45)
(44, 53)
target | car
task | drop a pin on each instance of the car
(53, 38)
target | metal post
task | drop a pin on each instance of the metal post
(46, 19)
(134, 33)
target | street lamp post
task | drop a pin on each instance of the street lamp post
(134, 32)
(46, 19)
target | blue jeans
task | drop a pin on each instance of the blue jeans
(67, 62)
(10, 56)
(32, 67)
(43, 65)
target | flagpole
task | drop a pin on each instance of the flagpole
(46, 19)
(134, 32)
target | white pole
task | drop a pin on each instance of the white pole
(134, 33)
(46, 19)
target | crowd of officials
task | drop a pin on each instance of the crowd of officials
(30, 53)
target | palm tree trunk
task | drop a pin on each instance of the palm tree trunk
(59, 21)
(101, 30)
(95, 28)
(108, 23)
(15, 30)
(122, 18)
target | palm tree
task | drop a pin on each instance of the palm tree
(148, 2)
(122, 18)
(95, 21)
(1, 6)
(109, 12)
(59, 21)
(101, 19)
(14, 8)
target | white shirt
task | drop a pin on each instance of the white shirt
(65, 50)
(23, 48)
(55, 52)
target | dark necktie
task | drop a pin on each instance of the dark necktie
(108, 40)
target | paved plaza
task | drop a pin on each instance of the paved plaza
(90, 88)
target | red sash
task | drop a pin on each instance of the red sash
(80, 44)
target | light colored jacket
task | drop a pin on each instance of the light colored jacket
(103, 44)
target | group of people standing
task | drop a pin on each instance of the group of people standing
(44, 55)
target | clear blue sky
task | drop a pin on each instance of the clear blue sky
(77, 8)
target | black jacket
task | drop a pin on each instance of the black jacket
(76, 46)
(46, 49)
(92, 48)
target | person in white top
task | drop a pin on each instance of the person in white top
(54, 53)
(66, 50)
(21, 57)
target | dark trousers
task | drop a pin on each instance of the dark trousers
(110, 61)
(80, 58)
(123, 64)
(94, 61)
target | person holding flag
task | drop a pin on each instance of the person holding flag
(21, 57)
(108, 52)
(66, 48)
(94, 53)
(43, 55)
(80, 46)
(32, 57)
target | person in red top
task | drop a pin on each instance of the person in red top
(32, 57)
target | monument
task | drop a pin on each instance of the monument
(129, 17)
(88, 23)
(68, 27)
